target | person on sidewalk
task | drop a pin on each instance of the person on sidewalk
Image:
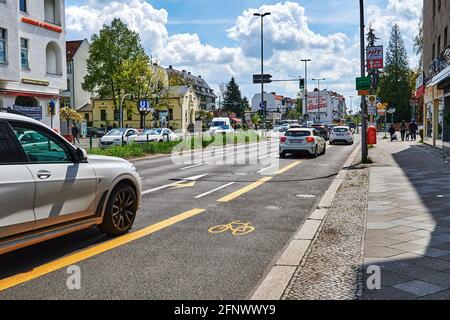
(75, 133)
(403, 128)
(413, 128)
(392, 132)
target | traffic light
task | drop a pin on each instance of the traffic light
(51, 108)
(302, 84)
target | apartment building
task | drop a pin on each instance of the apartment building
(32, 57)
(436, 66)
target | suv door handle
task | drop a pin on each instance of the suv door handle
(44, 175)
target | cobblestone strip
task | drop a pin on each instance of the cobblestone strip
(331, 269)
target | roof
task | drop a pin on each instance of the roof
(197, 82)
(72, 48)
(86, 108)
(178, 91)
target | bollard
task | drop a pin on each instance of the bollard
(90, 143)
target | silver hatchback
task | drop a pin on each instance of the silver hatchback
(48, 188)
(302, 141)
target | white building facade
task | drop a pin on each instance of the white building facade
(32, 57)
(77, 54)
(325, 107)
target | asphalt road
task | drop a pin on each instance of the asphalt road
(170, 253)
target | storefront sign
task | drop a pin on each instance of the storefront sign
(40, 24)
(36, 82)
(32, 112)
(440, 63)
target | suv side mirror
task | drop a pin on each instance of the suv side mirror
(81, 155)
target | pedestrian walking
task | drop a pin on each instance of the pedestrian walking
(403, 128)
(392, 132)
(413, 128)
(75, 133)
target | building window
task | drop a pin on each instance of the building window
(68, 85)
(446, 37)
(53, 59)
(103, 116)
(51, 11)
(69, 67)
(438, 46)
(2, 45)
(433, 54)
(23, 5)
(24, 53)
(26, 101)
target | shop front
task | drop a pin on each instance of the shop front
(33, 105)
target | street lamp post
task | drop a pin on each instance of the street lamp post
(262, 15)
(306, 83)
(318, 98)
(121, 108)
(365, 149)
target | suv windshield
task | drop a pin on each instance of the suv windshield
(153, 132)
(116, 132)
(218, 124)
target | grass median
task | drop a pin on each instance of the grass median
(135, 150)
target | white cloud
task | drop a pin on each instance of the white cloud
(288, 38)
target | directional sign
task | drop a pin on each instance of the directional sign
(363, 83)
(371, 110)
(375, 57)
(263, 105)
(265, 78)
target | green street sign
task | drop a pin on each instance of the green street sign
(363, 83)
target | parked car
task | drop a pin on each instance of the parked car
(115, 137)
(50, 191)
(341, 135)
(157, 135)
(302, 141)
(95, 132)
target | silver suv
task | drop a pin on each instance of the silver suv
(48, 188)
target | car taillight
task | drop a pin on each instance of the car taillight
(283, 139)
(310, 139)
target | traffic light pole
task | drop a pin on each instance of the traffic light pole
(262, 73)
(365, 150)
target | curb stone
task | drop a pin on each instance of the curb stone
(273, 286)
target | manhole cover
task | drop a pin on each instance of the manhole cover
(304, 196)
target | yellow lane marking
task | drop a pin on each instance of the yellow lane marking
(182, 185)
(242, 191)
(289, 167)
(93, 251)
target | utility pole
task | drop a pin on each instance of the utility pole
(318, 98)
(365, 150)
(306, 83)
(262, 15)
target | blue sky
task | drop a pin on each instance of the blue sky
(220, 39)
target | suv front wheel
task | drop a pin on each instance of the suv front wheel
(120, 211)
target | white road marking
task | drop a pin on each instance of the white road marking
(194, 166)
(266, 169)
(214, 190)
(195, 178)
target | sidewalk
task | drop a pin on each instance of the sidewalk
(408, 230)
(394, 215)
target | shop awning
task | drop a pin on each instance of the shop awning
(236, 120)
(442, 76)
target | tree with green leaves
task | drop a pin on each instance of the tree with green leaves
(233, 98)
(395, 87)
(115, 54)
(246, 104)
(418, 44)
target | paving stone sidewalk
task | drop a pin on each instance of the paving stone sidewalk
(408, 229)
(394, 215)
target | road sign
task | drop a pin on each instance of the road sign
(363, 83)
(392, 110)
(371, 109)
(363, 92)
(263, 105)
(375, 57)
(381, 112)
(144, 105)
(372, 100)
(265, 78)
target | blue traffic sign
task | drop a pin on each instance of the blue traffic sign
(144, 105)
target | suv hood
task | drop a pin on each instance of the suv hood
(97, 159)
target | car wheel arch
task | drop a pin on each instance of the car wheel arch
(122, 179)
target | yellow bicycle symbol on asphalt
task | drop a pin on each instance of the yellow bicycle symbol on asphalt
(237, 228)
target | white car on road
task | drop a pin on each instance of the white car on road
(341, 135)
(49, 188)
(116, 136)
(157, 135)
(302, 141)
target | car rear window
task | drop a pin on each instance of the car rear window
(298, 134)
(340, 130)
